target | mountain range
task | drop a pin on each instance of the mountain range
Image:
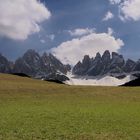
(107, 64)
(45, 67)
(48, 67)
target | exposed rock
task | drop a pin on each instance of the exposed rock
(29, 64)
(5, 65)
(48, 67)
(137, 67)
(52, 64)
(106, 58)
(106, 64)
(96, 67)
(81, 68)
(33, 64)
(55, 77)
(117, 63)
(129, 66)
(117, 59)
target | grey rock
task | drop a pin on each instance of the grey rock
(111, 64)
(5, 65)
(55, 77)
(129, 66)
(137, 67)
(81, 67)
(35, 65)
(96, 67)
(29, 64)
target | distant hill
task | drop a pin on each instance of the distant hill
(133, 83)
(21, 74)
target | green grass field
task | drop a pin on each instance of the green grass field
(37, 110)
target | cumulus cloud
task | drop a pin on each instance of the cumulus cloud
(108, 16)
(81, 31)
(20, 18)
(74, 50)
(130, 9)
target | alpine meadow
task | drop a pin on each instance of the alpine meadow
(36, 110)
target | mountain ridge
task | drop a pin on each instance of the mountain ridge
(48, 67)
(111, 64)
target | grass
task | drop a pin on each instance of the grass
(37, 110)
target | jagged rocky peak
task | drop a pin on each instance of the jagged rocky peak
(88, 66)
(106, 57)
(137, 68)
(5, 65)
(129, 65)
(117, 63)
(29, 63)
(45, 55)
(81, 67)
(79, 64)
(33, 64)
(101, 65)
(45, 59)
(48, 58)
(78, 69)
(116, 58)
(58, 64)
(31, 55)
(98, 56)
(130, 62)
(86, 61)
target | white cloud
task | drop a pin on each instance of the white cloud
(110, 31)
(108, 16)
(115, 1)
(51, 37)
(74, 50)
(81, 31)
(130, 9)
(20, 18)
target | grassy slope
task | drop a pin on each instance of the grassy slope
(37, 110)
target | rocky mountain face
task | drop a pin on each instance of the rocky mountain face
(45, 67)
(33, 64)
(5, 65)
(111, 64)
(48, 67)
(29, 64)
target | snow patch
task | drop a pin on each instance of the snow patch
(97, 81)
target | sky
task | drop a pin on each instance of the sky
(70, 29)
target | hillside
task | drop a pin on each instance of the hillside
(35, 110)
(133, 83)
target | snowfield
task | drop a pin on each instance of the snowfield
(97, 81)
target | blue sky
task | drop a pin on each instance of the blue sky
(69, 15)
